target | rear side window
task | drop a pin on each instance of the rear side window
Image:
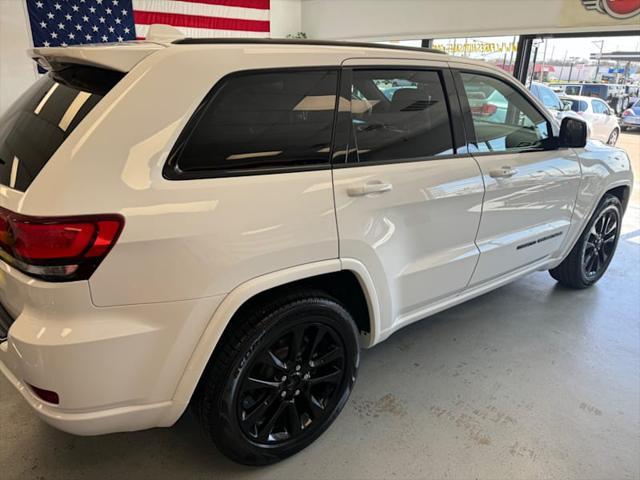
(259, 121)
(578, 105)
(39, 122)
(572, 90)
(399, 115)
(594, 91)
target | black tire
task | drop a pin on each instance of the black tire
(613, 137)
(578, 270)
(253, 375)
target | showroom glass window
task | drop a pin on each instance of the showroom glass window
(263, 120)
(399, 115)
(503, 118)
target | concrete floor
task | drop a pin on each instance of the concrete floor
(530, 381)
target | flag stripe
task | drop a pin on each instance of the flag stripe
(199, 21)
(257, 4)
(141, 33)
(206, 10)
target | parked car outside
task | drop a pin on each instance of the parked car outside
(225, 223)
(613, 95)
(552, 101)
(631, 117)
(602, 121)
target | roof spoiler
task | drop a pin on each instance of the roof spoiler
(121, 57)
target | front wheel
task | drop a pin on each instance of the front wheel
(279, 377)
(593, 252)
(613, 138)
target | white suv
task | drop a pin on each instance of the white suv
(226, 223)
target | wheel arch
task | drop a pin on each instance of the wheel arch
(353, 287)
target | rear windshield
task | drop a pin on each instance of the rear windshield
(37, 124)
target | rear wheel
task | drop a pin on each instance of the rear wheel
(593, 252)
(279, 378)
(613, 137)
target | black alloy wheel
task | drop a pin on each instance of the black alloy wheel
(279, 377)
(592, 253)
(601, 242)
(291, 384)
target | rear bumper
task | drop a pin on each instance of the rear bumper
(113, 368)
(630, 122)
(128, 418)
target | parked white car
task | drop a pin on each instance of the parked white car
(226, 223)
(602, 120)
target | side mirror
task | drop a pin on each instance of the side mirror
(573, 133)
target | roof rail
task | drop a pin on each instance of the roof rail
(295, 41)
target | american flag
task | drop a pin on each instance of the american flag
(70, 22)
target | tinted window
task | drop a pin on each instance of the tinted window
(398, 115)
(505, 119)
(262, 120)
(578, 105)
(594, 91)
(43, 117)
(572, 90)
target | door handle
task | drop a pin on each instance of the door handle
(504, 172)
(367, 188)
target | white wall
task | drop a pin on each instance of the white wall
(286, 18)
(415, 19)
(17, 72)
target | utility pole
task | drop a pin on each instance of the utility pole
(601, 42)
(563, 62)
(573, 61)
(535, 56)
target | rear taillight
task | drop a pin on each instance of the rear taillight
(484, 110)
(627, 112)
(57, 249)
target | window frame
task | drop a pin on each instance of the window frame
(171, 169)
(343, 131)
(468, 117)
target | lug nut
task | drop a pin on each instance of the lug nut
(297, 392)
(283, 394)
(284, 378)
(306, 376)
(298, 367)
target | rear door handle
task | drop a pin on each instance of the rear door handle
(504, 172)
(367, 188)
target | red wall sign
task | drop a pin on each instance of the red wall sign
(614, 8)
